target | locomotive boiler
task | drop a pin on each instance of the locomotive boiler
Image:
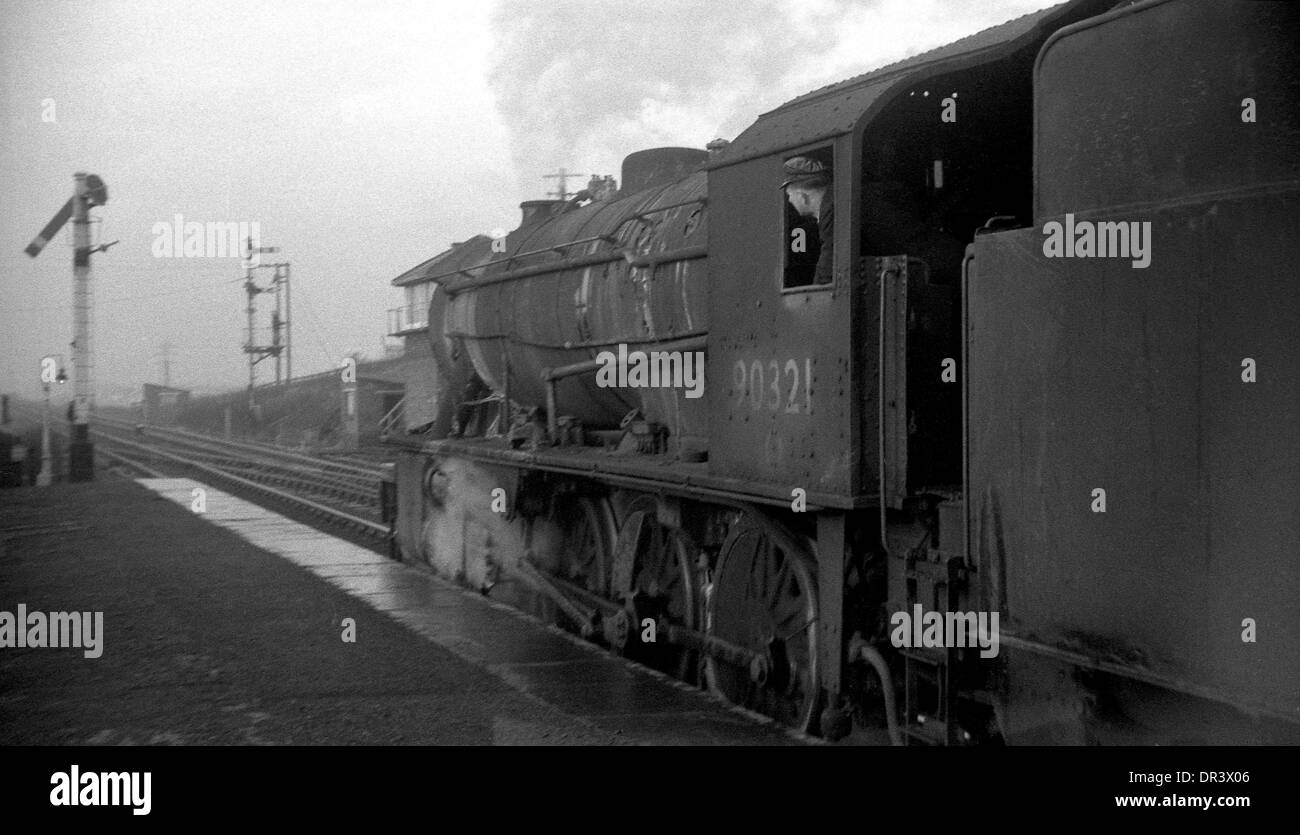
(630, 271)
(968, 490)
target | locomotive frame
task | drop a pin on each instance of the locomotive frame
(768, 541)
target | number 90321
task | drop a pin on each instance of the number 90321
(774, 385)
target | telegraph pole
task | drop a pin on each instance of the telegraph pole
(280, 322)
(562, 190)
(166, 350)
(280, 316)
(285, 322)
(252, 290)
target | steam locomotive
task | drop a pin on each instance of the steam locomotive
(994, 417)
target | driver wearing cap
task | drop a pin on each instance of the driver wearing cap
(808, 188)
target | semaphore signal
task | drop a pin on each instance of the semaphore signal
(88, 191)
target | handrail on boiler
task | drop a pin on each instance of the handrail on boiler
(610, 238)
(686, 253)
(551, 376)
(464, 271)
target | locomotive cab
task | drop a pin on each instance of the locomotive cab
(922, 154)
(849, 392)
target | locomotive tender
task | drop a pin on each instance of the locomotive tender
(966, 419)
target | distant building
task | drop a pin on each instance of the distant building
(411, 323)
(162, 405)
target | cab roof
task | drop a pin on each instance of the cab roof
(836, 108)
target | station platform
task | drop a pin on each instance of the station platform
(227, 626)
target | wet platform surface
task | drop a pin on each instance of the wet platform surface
(579, 693)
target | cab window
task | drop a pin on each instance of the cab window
(808, 194)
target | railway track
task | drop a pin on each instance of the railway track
(344, 490)
(347, 493)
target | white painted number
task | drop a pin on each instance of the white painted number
(792, 374)
(770, 386)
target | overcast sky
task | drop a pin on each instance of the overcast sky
(362, 136)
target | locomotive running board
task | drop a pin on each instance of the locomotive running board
(644, 472)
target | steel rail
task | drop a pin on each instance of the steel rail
(256, 469)
(130, 462)
(364, 525)
(344, 468)
(233, 457)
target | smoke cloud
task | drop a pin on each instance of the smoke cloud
(583, 84)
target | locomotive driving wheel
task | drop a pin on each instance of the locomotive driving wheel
(581, 555)
(653, 577)
(587, 527)
(764, 599)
